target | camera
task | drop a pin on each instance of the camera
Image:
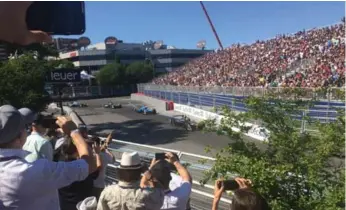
(46, 121)
(229, 185)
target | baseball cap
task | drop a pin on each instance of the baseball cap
(28, 115)
(11, 123)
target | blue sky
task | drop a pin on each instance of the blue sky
(182, 24)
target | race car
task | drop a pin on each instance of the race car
(184, 122)
(77, 104)
(111, 105)
(144, 110)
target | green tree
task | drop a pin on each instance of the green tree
(41, 50)
(22, 83)
(294, 170)
(117, 59)
(23, 78)
(60, 64)
(111, 74)
(139, 72)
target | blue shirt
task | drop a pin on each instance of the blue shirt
(33, 186)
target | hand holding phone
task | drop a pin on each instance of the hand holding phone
(13, 27)
(234, 184)
(160, 156)
(57, 17)
(229, 185)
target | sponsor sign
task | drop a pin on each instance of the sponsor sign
(256, 132)
(73, 54)
(84, 41)
(60, 76)
(111, 40)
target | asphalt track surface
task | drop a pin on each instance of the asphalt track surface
(153, 130)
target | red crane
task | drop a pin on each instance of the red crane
(211, 25)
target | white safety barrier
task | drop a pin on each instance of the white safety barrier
(255, 132)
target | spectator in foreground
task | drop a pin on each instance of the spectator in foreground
(36, 144)
(178, 198)
(244, 198)
(128, 194)
(33, 186)
(72, 194)
(106, 158)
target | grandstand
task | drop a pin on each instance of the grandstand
(313, 58)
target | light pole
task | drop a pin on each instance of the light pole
(148, 45)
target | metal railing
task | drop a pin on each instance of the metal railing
(330, 94)
(201, 197)
(94, 91)
(213, 97)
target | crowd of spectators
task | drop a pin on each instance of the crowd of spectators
(313, 58)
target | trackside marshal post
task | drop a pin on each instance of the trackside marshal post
(62, 77)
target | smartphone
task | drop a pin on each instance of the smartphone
(57, 17)
(160, 156)
(230, 185)
(49, 122)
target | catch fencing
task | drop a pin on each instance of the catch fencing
(324, 109)
(93, 91)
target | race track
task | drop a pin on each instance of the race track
(153, 130)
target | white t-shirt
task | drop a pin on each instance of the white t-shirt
(179, 195)
(106, 159)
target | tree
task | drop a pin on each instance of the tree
(295, 170)
(22, 78)
(111, 74)
(60, 64)
(139, 72)
(40, 50)
(22, 83)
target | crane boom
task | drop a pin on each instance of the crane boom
(211, 25)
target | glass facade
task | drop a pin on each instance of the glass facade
(163, 60)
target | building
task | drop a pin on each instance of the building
(164, 58)
(3, 53)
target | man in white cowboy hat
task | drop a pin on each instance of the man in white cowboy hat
(90, 203)
(128, 194)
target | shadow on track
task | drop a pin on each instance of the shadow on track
(144, 131)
